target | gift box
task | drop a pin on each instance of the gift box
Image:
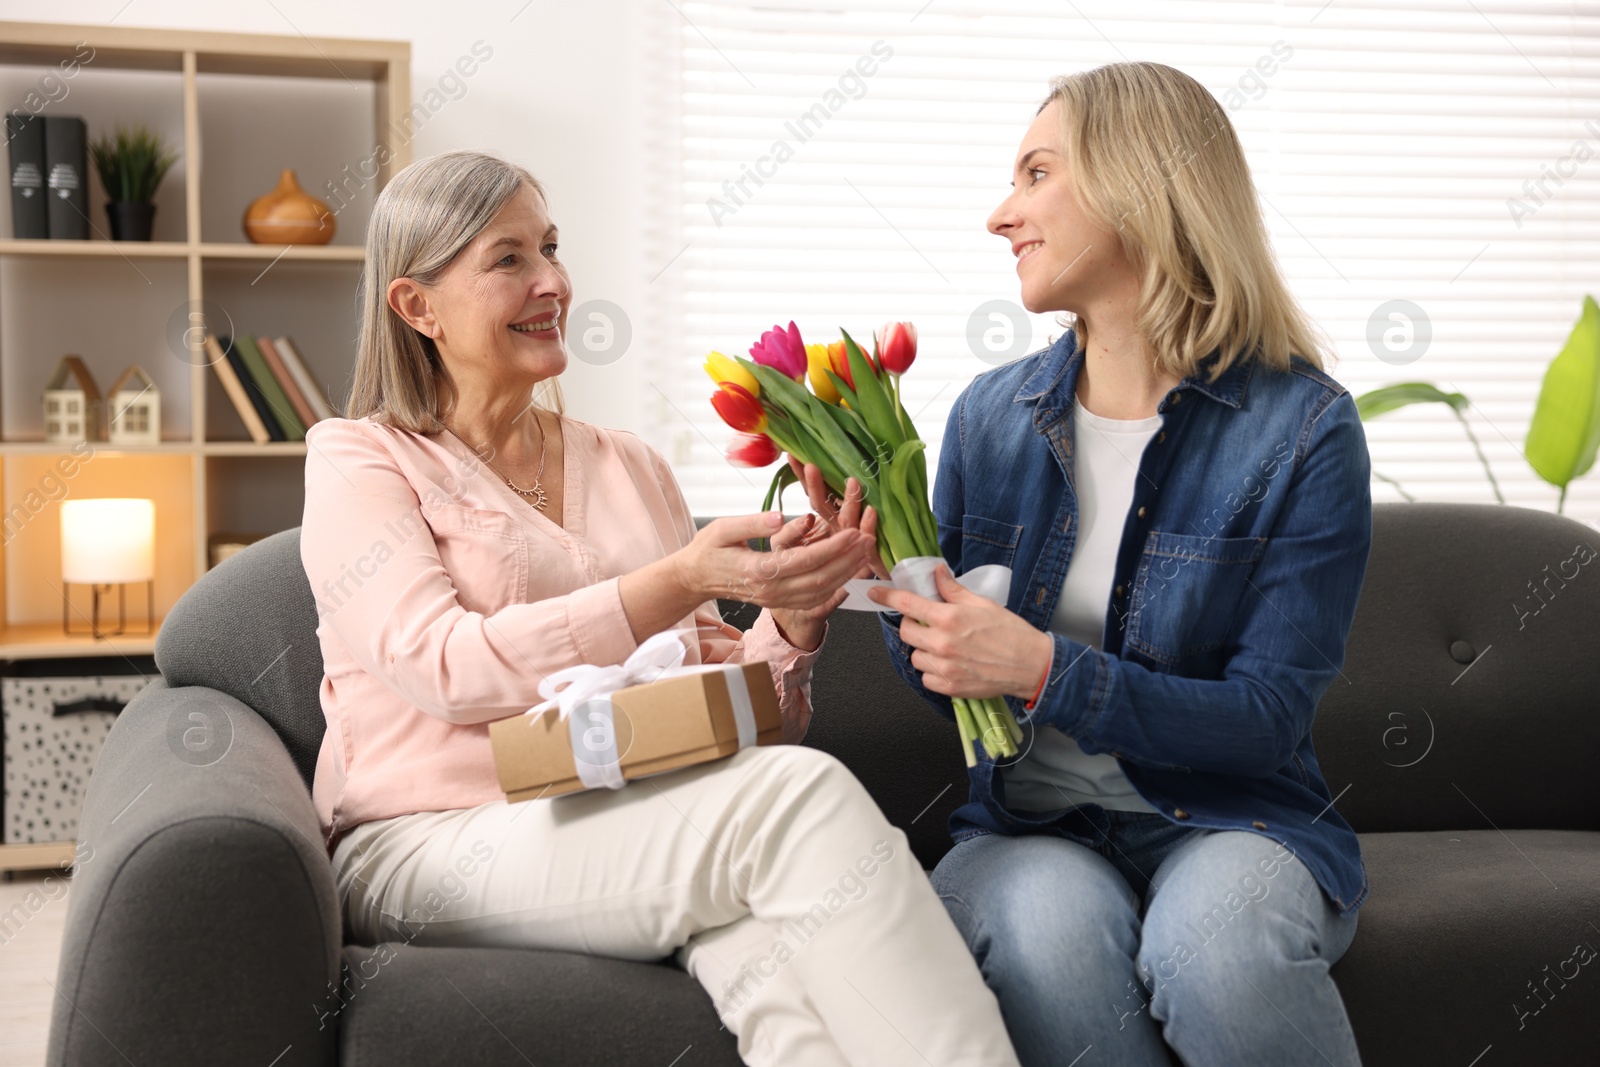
(689, 715)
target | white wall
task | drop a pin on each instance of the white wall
(558, 95)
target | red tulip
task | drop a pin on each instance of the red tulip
(738, 408)
(783, 351)
(897, 346)
(753, 450)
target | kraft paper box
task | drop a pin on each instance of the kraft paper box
(676, 722)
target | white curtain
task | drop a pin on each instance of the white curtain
(837, 165)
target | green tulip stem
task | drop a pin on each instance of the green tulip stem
(899, 410)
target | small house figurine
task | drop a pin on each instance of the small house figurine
(135, 409)
(71, 404)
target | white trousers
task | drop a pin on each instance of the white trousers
(772, 876)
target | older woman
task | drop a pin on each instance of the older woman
(464, 544)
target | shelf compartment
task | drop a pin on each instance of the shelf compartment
(255, 127)
(34, 487)
(255, 494)
(110, 311)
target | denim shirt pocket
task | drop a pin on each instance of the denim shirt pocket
(985, 541)
(1186, 593)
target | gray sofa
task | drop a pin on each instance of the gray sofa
(1462, 743)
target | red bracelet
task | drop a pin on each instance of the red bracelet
(1037, 693)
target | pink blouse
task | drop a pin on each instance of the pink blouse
(443, 598)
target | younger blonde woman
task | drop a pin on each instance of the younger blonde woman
(1182, 494)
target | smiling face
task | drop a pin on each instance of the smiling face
(498, 312)
(1066, 260)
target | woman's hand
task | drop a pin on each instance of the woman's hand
(969, 646)
(800, 581)
(803, 627)
(850, 514)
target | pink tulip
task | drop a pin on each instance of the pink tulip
(752, 450)
(783, 351)
(897, 346)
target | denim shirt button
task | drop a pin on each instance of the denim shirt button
(1259, 825)
(1179, 813)
(1173, 398)
(1161, 438)
(1118, 590)
(1141, 511)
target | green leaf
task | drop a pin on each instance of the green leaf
(852, 425)
(782, 477)
(844, 388)
(782, 393)
(1565, 431)
(1393, 397)
(132, 164)
(913, 508)
(872, 402)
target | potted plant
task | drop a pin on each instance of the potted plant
(1564, 436)
(131, 165)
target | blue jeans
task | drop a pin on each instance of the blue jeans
(1215, 944)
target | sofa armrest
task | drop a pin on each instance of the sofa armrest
(202, 926)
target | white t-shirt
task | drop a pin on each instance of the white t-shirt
(1055, 773)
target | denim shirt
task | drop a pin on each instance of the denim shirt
(1237, 575)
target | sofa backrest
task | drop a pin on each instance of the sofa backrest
(1465, 699)
(1469, 689)
(1409, 737)
(248, 628)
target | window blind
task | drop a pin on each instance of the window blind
(1424, 169)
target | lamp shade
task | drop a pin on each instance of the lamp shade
(111, 539)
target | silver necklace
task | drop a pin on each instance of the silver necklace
(534, 495)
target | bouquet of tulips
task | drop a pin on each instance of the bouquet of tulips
(849, 423)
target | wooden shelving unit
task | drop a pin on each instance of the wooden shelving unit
(203, 482)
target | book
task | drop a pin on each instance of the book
(252, 390)
(236, 392)
(277, 401)
(286, 381)
(25, 136)
(66, 158)
(314, 393)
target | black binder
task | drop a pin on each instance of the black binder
(66, 157)
(25, 137)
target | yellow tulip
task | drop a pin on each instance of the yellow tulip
(817, 370)
(722, 369)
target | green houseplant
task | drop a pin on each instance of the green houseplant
(1564, 434)
(131, 165)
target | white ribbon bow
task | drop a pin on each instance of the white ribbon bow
(992, 581)
(594, 743)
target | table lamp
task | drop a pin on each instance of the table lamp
(104, 543)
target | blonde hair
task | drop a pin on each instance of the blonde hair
(427, 214)
(1154, 157)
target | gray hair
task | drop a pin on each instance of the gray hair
(427, 214)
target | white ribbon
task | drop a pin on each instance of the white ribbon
(594, 744)
(992, 581)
